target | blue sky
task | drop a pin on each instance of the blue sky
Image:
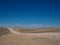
(30, 12)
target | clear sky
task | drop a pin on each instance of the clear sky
(32, 12)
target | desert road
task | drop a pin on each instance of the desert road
(13, 32)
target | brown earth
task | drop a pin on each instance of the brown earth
(13, 39)
(3, 31)
(37, 30)
(8, 38)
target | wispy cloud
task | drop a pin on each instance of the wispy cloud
(21, 25)
(24, 25)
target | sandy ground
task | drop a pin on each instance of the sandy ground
(46, 35)
(30, 39)
(14, 38)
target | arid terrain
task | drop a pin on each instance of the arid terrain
(37, 30)
(38, 36)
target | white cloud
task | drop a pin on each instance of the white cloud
(24, 25)
(21, 25)
(36, 25)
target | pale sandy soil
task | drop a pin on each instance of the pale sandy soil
(14, 38)
(29, 39)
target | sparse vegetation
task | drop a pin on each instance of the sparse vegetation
(37, 30)
(3, 31)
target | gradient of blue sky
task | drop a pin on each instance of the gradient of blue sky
(45, 12)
